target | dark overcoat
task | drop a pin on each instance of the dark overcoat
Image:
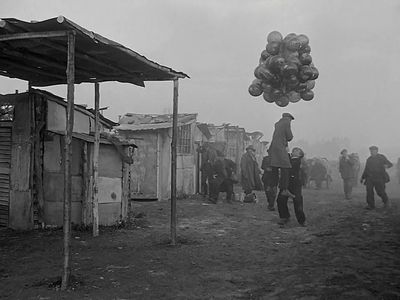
(250, 173)
(278, 148)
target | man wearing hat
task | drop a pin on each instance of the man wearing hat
(278, 150)
(250, 173)
(375, 177)
(347, 172)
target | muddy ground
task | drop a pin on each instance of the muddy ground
(225, 251)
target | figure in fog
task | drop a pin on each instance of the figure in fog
(295, 187)
(347, 172)
(278, 151)
(221, 178)
(376, 177)
(250, 174)
(270, 180)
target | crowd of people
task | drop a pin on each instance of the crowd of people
(283, 174)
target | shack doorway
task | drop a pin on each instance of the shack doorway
(5, 166)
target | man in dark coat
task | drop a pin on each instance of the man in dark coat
(295, 187)
(376, 177)
(347, 172)
(221, 179)
(270, 180)
(250, 173)
(278, 151)
(208, 157)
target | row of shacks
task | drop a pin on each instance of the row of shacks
(32, 126)
(149, 173)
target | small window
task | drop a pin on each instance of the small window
(184, 139)
(6, 112)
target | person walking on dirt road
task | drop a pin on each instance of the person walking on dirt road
(250, 174)
(346, 170)
(376, 177)
(295, 187)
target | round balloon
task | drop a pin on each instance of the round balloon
(305, 58)
(289, 37)
(307, 95)
(310, 84)
(273, 48)
(255, 90)
(267, 97)
(303, 39)
(266, 87)
(305, 49)
(276, 94)
(282, 101)
(293, 44)
(315, 73)
(265, 54)
(274, 36)
(276, 63)
(289, 69)
(294, 97)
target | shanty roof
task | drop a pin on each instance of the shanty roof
(138, 122)
(37, 52)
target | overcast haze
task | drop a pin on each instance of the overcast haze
(355, 45)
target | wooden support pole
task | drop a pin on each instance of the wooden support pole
(67, 159)
(173, 162)
(96, 148)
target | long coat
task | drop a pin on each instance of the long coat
(250, 173)
(346, 168)
(277, 150)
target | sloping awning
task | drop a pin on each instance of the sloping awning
(139, 122)
(37, 52)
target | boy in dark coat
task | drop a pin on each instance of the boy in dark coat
(270, 180)
(376, 177)
(295, 187)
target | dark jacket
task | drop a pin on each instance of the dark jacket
(346, 168)
(375, 168)
(270, 176)
(277, 150)
(250, 173)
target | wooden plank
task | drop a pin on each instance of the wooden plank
(68, 156)
(4, 170)
(173, 161)
(4, 160)
(96, 147)
(31, 35)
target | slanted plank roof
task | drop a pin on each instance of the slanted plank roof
(42, 60)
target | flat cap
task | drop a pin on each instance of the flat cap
(287, 115)
(373, 148)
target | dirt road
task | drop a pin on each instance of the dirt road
(226, 251)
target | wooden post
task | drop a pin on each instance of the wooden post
(95, 194)
(173, 162)
(68, 158)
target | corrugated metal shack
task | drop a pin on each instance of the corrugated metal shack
(31, 159)
(150, 175)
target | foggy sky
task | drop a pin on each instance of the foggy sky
(355, 45)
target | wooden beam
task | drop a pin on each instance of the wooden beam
(68, 157)
(173, 161)
(46, 62)
(32, 35)
(96, 149)
(30, 69)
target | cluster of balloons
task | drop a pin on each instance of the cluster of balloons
(285, 72)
